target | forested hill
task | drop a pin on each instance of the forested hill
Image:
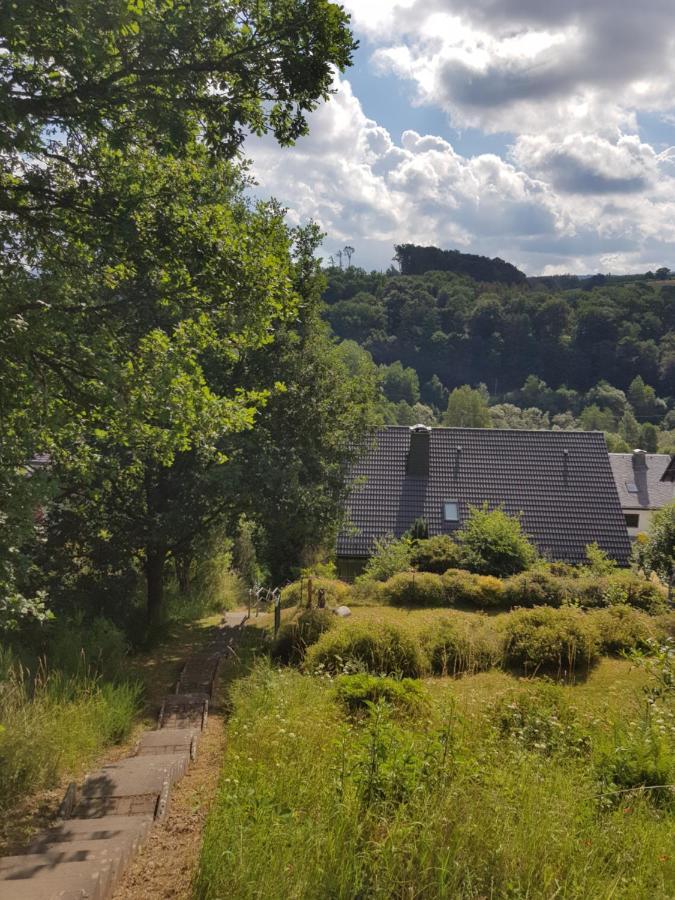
(601, 358)
(414, 260)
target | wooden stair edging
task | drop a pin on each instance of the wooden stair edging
(105, 820)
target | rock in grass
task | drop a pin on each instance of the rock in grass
(342, 611)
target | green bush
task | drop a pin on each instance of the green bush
(356, 692)
(337, 592)
(538, 588)
(493, 543)
(452, 650)
(559, 641)
(389, 557)
(414, 589)
(379, 649)
(640, 755)
(464, 588)
(296, 636)
(623, 629)
(436, 554)
(624, 588)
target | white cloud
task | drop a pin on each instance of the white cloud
(528, 66)
(364, 189)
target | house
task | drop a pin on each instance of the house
(560, 482)
(645, 482)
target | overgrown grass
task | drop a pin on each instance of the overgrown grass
(52, 722)
(506, 796)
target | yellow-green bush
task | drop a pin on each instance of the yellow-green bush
(455, 650)
(466, 589)
(436, 554)
(297, 635)
(357, 692)
(623, 629)
(337, 592)
(538, 588)
(559, 641)
(414, 589)
(375, 648)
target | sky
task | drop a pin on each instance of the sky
(540, 131)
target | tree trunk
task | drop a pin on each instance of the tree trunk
(182, 564)
(154, 573)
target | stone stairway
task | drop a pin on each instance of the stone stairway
(105, 819)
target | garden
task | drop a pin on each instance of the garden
(501, 726)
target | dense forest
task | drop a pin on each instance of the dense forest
(599, 357)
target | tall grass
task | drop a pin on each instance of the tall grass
(55, 721)
(313, 804)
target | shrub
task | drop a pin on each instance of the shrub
(295, 637)
(599, 562)
(356, 692)
(455, 651)
(379, 649)
(465, 588)
(624, 588)
(75, 644)
(550, 640)
(436, 554)
(640, 756)
(541, 719)
(537, 588)
(366, 591)
(623, 629)
(493, 543)
(414, 589)
(389, 557)
(336, 592)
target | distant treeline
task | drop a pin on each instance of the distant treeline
(415, 260)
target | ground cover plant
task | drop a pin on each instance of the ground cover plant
(502, 789)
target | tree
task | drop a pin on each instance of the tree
(659, 552)
(593, 418)
(629, 429)
(349, 252)
(493, 543)
(289, 474)
(151, 338)
(649, 438)
(399, 383)
(467, 408)
(117, 70)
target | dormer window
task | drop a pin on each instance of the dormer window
(451, 511)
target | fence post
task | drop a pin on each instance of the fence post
(309, 593)
(277, 612)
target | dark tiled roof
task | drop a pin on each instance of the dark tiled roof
(564, 507)
(652, 492)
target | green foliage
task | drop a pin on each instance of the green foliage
(559, 641)
(414, 589)
(337, 592)
(467, 408)
(358, 692)
(493, 543)
(300, 633)
(599, 562)
(619, 588)
(389, 557)
(355, 647)
(436, 554)
(659, 551)
(400, 384)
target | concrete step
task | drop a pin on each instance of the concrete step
(133, 829)
(184, 711)
(85, 873)
(169, 740)
(136, 786)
